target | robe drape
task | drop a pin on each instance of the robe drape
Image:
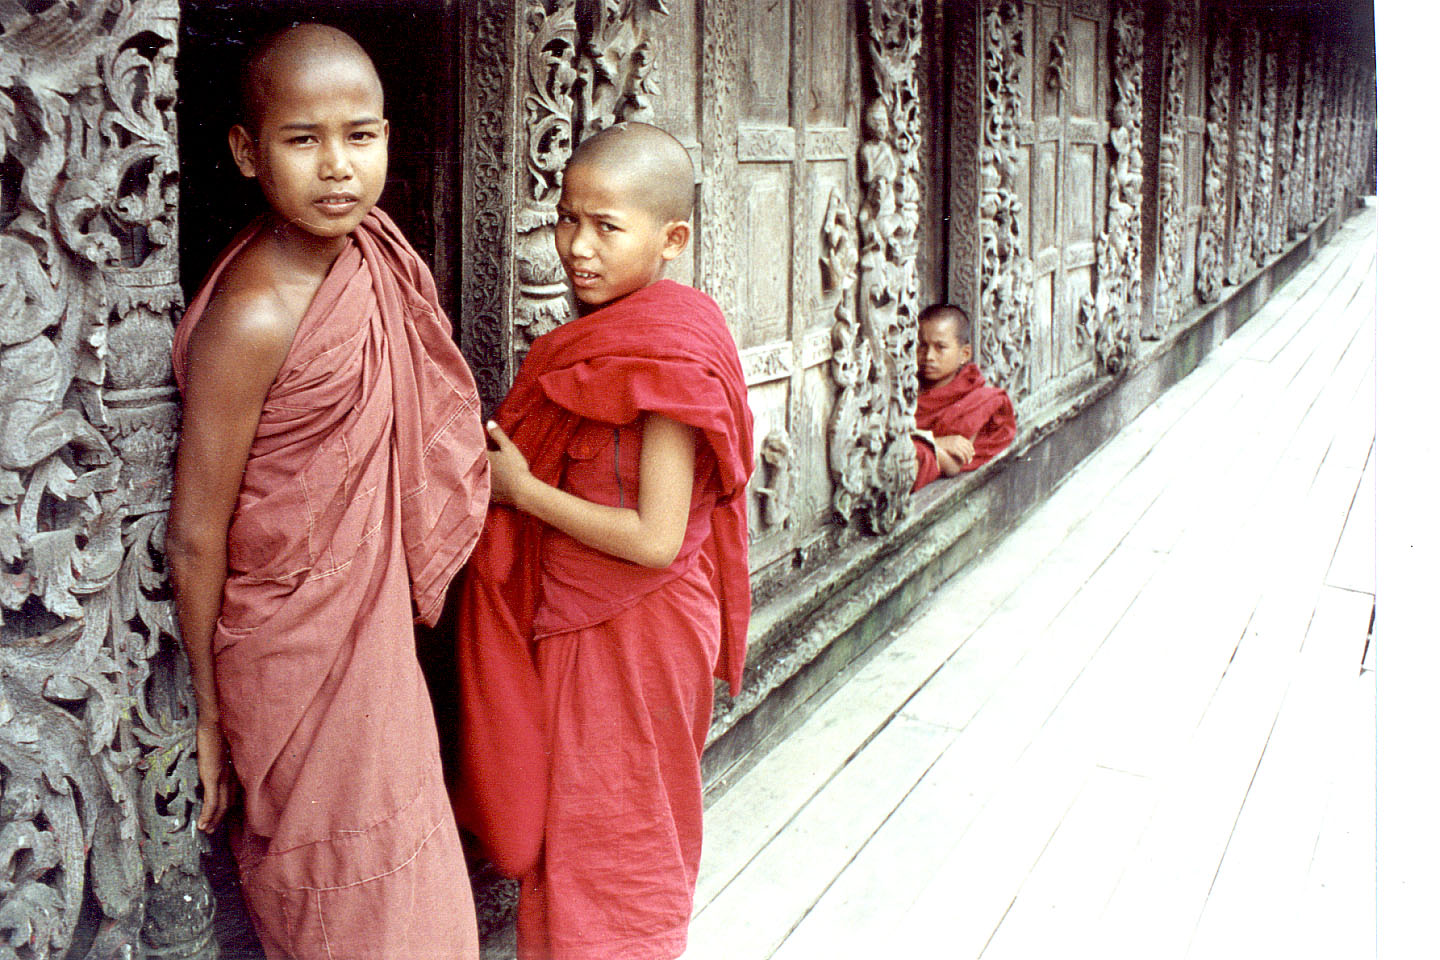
(362, 497)
(575, 412)
(966, 405)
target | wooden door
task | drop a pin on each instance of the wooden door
(1061, 132)
(796, 106)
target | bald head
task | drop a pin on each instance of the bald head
(948, 317)
(284, 56)
(651, 164)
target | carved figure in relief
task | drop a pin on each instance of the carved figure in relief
(1169, 297)
(97, 771)
(1006, 276)
(961, 422)
(870, 452)
(617, 552)
(776, 490)
(319, 505)
(1112, 317)
(1210, 259)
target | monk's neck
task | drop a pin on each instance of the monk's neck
(304, 251)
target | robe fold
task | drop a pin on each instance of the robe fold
(363, 495)
(586, 679)
(966, 405)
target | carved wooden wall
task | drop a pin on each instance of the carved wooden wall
(98, 857)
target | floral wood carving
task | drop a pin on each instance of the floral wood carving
(1265, 154)
(1302, 210)
(1244, 156)
(1288, 82)
(1210, 260)
(871, 457)
(97, 769)
(1111, 316)
(965, 107)
(1005, 272)
(1171, 185)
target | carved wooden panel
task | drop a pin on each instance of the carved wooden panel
(1244, 153)
(1211, 258)
(98, 857)
(1062, 75)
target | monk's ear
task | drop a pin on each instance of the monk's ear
(966, 353)
(243, 149)
(677, 238)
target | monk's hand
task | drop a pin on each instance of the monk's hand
(958, 446)
(508, 466)
(216, 780)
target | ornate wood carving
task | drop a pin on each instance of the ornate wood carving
(1005, 271)
(965, 113)
(1057, 71)
(97, 770)
(1111, 316)
(1265, 153)
(1210, 258)
(488, 191)
(1302, 211)
(1287, 79)
(719, 207)
(1244, 157)
(871, 453)
(1171, 185)
(776, 481)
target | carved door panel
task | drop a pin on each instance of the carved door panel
(1062, 131)
(796, 144)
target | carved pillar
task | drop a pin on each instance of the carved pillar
(871, 454)
(1005, 272)
(718, 267)
(1244, 154)
(1287, 82)
(97, 770)
(1265, 152)
(1171, 171)
(488, 185)
(963, 55)
(1111, 317)
(1210, 259)
(1302, 212)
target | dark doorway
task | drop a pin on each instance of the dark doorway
(415, 46)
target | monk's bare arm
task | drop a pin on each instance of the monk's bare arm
(953, 452)
(234, 354)
(649, 535)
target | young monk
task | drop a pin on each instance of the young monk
(964, 422)
(618, 559)
(331, 479)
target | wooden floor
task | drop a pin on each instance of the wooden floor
(1141, 727)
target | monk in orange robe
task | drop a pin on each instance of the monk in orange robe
(330, 481)
(963, 422)
(612, 584)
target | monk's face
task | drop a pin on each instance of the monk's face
(322, 147)
(609, 242)
(940, 354)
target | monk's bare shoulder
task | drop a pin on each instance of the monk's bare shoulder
(251, 319)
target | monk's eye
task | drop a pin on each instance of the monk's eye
(301, 139)
(608, 227)
(566, 218)
(364, 136)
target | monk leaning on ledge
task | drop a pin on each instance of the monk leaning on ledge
(331, 473)
(963, 422)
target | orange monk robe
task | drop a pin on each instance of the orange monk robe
(363, 495)
(618, 694)
(969, 407)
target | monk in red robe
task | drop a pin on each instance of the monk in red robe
(612, 585)
(330, 481)
(963, 423)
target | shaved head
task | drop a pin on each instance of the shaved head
(951, 316)
(653, 166)
(302, 48)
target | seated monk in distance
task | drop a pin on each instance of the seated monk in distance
(962, 422)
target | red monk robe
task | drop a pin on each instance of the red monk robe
(968, 406)
(364, 494)
(600, 663)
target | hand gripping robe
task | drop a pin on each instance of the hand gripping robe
(600, 664)
(966, 405)
(364, 494)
